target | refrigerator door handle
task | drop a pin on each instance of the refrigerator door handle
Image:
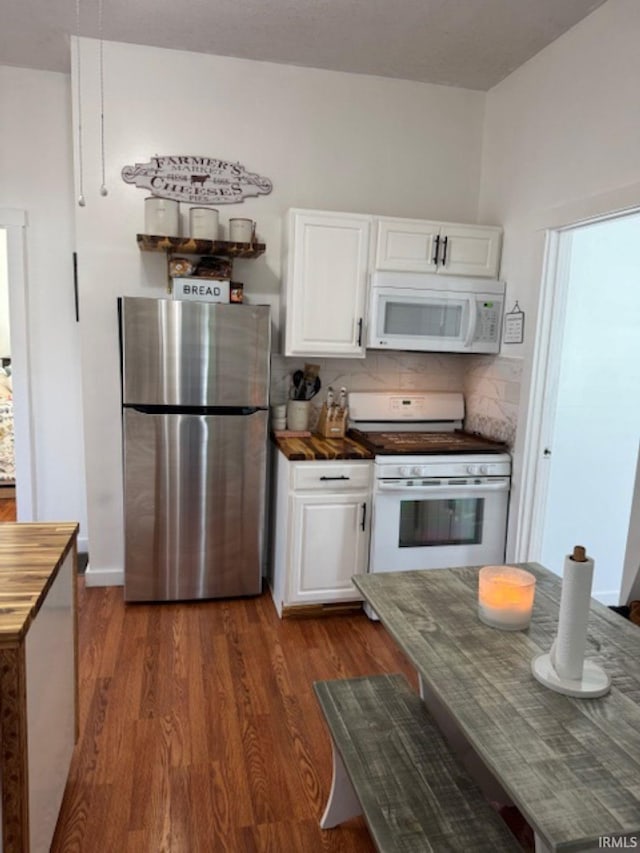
(193, 410)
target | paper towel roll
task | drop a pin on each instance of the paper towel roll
(567, 652)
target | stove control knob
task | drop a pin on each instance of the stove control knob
(418, 471)
(405, 471)
(472, 469)
(483, 469)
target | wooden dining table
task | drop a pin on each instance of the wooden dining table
(571, 766)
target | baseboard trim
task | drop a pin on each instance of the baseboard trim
(304, 611)
(103, 577)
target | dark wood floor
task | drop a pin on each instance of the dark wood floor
(200, 730)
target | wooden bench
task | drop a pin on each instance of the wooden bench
(391, 763)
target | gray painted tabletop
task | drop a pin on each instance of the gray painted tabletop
(572, 766)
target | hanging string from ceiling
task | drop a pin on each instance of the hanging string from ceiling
(103, 187)
(81, 200)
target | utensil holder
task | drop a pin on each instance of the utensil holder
(332, 422)
(298, 414)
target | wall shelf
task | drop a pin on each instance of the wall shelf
(193, 246)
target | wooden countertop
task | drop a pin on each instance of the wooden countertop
(318, 448)
(30, 557)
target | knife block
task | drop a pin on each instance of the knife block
(332, 423)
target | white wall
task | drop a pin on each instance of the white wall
(36, 176)
(560, 130)
(326, 140)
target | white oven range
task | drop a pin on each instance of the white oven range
(440, 496)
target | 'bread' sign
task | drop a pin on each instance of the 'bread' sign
(201, 289)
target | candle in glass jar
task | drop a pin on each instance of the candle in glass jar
(505, 597)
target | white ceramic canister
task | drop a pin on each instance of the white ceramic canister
(241, 230)
(298, 412)
(161, 216)
(278, 411)
(203, 223)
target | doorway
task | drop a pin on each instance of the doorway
(13, 228)
(7, 456)
(587, 453)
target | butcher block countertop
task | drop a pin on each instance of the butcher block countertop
(316, 447)
(30, 557)
(38, 678)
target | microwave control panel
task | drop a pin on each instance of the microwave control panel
(488, 320)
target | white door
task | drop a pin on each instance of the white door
(469, 250)
(407, 245)
(590, 432)
(331, 534)
(326, 284)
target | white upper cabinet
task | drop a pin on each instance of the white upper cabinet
(326, 271)
(407, 245)
(470, 250)
(415, 245)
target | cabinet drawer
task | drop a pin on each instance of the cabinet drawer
(330, 476)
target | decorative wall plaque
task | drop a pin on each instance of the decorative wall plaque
(201, 180)
(513, 326)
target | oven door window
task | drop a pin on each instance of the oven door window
(436, 522)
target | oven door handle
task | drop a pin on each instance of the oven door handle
(498, 485)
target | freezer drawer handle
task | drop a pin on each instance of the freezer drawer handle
(364, 516)
(342, 477)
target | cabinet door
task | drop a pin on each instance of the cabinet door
(469, 250)
(406, 245)
(326, 284)
(329, 546)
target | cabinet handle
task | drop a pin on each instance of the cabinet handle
(444, 250)
(76, 298)
(435, 253)
(342, 477)
(360, 332)
(364, 516)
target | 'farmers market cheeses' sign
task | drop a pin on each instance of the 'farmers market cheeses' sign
(205, 180)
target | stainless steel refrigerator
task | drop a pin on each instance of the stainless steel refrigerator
(195, 390)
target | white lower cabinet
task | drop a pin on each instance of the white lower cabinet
(321, 531)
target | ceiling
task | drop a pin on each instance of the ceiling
(468, 43)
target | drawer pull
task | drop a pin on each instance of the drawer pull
(341, 477)
(364, 516)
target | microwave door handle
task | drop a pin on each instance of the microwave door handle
(471, 329)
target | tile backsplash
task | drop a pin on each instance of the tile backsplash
(492, 396)
(491, 384)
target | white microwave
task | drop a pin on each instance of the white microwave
(435, 313)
